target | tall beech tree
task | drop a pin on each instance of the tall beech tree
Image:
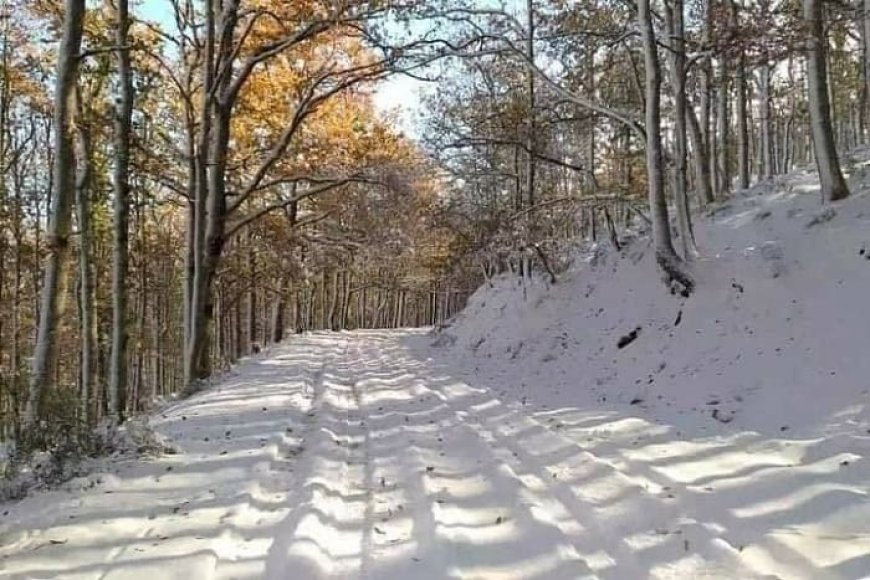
(54, 288)
(830, 176)
(122, 136)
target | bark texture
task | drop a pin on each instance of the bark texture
(56, 271)
(830, 176)
(121, 219)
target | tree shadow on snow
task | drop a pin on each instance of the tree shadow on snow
(367, 455)
(654, 500)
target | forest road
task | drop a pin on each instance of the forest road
(359, 455)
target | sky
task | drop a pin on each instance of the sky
(400, 96)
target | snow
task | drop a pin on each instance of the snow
(522, 442)
(775, 333)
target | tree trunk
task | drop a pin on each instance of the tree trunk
(88, 322)
(345, 295)
(678, 82)
(219, 110)
(298, 314)
(531, 167)
(204, 299)
(705, 146)
(742, 108)
(723, 183)
(235, 334)
(667, 258)
(55, 270)
(830, 177)
(309, 318)
(120, 265)
(333, 305)
(279, 309)
(252, 293)
(193, 348)
(324, 321)
(700, 159)
(865, 89)
(15, 354)
(767, 171)
(590, 145)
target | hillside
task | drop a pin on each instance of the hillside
(776, 333)
(747, 403)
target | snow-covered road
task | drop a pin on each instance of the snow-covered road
(365, 455)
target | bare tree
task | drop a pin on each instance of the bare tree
(57, 237)
(676, 31)
(742, 107)
(864, 26)
(120, 250)
(830, 176)
(87, 290)
(530, 87)
(225, 73)
(666, 257)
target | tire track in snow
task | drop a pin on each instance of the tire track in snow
(401, 473)
(364, 458)
(401, 538)
(573, 507)
(800, 463)
(552, 502)
(262, 497)
(549, 502)
(512, 509)
(596, 488)
(275, 477)
(301, 494)
(325, 535)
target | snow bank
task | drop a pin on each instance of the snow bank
(775, 337)
(738, 418)
(73, 468)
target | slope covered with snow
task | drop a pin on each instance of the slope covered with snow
(749, 399)
(775, 338)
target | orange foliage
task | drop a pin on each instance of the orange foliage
(339, 134)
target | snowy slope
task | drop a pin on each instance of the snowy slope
(778, 331)
(751, 397)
